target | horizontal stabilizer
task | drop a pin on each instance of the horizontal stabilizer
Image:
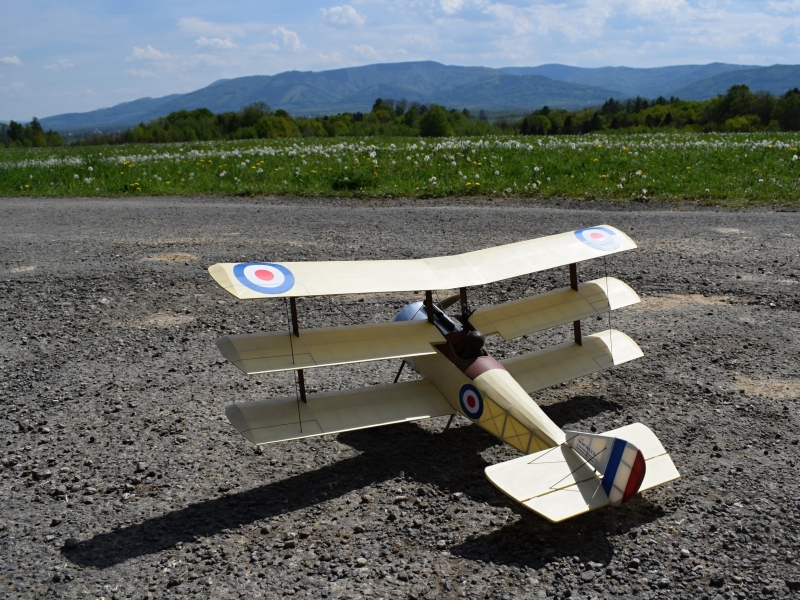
(558, 484)
(281, 351)
(528, 315)
(291, 279)
(550, 366)
(280, 419)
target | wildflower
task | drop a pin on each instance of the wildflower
(90, 169)
(497, 172)
(644, 191)
(794, 157)
(221, 174)
(453, 164)
(427, 158)
(75, 176)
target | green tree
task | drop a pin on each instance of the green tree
(435, 123)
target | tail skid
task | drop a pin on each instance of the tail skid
(588, 472)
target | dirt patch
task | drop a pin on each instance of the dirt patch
(163, 320)
(671, 301)
(172, 257)
(779, 389)
(22, 269)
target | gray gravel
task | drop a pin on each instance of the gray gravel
(121, 477)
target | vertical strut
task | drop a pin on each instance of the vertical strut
(397, 377)
(301, 381)
(429, 305)
(573, 282)
(295, 326)
(464, 306)
(573, 276)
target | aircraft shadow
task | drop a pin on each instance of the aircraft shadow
(449, 460)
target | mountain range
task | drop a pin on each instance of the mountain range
(509, 89)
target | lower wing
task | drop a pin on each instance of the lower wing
(279, 419)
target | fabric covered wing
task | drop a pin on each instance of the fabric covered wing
(273, 280)
(279, 419)
(280, 351)
(521, 317)
(557, 364)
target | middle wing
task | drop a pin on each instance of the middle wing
(279, 419)
(281, 351)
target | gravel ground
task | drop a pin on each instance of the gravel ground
(121, 478)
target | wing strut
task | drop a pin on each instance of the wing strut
(429, 305)
(573, 282)
(301, 378)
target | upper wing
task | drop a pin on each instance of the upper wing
(270, 280)
(279, 419)
(326, 346)
(537, 313)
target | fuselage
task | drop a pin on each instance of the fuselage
(479, 387)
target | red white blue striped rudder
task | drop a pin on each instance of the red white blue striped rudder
(621, 464)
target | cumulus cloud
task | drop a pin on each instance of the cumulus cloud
(333, 57)
(143, 73)
(342, 15)
(289, 39)
(220, 43)
(365, 50)
(11, 60)
(62, 63)
(147, 53)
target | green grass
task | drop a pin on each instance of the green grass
(731, 169)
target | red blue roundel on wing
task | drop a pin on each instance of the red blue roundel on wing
(471, 401)
(267, 278)
(599, 238)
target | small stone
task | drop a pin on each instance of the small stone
(290, 543)
(587, 575)
(441, 545)
(71, 543)
(173, 582)
(359, 529)
(56, 521)
(717, 580)
(141, 467)
(361, 561)
(685, 553)
(792, 584)
(366, 499)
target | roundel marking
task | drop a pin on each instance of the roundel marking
(599, 238)
(471, 401)
(266, 278)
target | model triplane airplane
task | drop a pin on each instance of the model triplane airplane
(562, 473)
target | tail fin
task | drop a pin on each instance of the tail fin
(621, 463)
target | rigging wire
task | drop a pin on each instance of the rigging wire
(610, 336)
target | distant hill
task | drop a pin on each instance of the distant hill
(776, 80)
(510, 90)
(352, 89)
(647, 83)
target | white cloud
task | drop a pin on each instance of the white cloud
(195, 26)
(220, 43)
(62, 63)
(342, 15)
(11, 60)
(147, 53)
(451, 6)
(333, 57)
(289, 39)
(208, 59)
(365, 50)
(17, 85)
(143, 73)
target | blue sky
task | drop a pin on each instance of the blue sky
(74, 56)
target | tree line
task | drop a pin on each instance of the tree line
(738, 110)
(30, 135)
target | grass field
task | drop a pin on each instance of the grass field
(730, 169)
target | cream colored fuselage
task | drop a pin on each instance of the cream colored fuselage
(508, 413)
